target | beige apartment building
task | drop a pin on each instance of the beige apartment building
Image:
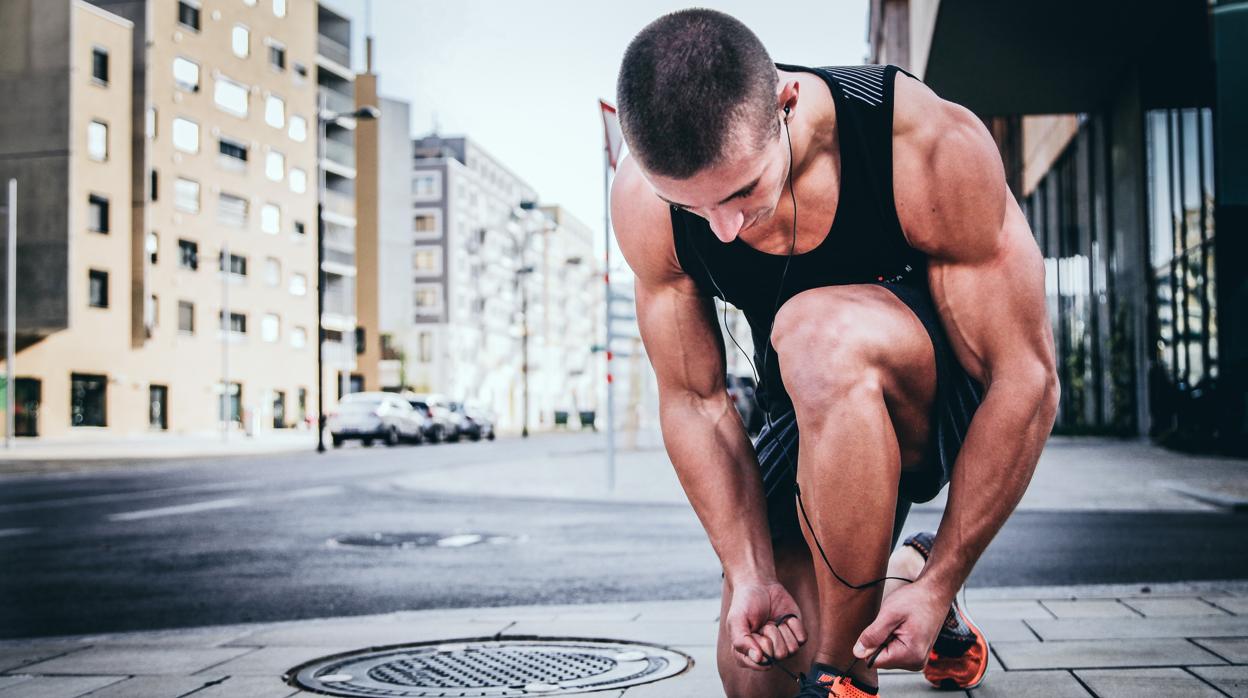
(166, 226)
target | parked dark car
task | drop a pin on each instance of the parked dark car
(741, 390)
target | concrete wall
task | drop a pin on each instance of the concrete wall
(367, 184)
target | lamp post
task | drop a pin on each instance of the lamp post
(323, 119)
(522, 245)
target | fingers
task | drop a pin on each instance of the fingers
(748, 653)
(876, 633)
(788, 638)
(896, 654)
(794, 624)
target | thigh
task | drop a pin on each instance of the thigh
(795, 571)
(827, 336)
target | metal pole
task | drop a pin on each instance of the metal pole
(524, 340)
(226, 327)
(320, 278)
(10, 317)
(606, 276)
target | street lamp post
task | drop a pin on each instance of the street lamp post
(323, 119)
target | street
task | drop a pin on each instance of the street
(193, 542)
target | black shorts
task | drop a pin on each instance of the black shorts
(957, 397)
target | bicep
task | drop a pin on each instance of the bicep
(993, 305)
(681, 336)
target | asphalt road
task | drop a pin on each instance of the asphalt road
(196, 542)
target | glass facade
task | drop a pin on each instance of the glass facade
(1070, 215)
(1184, 369)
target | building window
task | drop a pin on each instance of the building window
(150, 123)
(151, 313)
(97, 141)
(298, 180)
(298, 338)
(270, 327)
(427, 185)
(360, 340)
(277, 56)
(186, 135)
(301, 71)
(230, 96)
(158, 407)
(279, 8)
(275, 166)
(270, 219)
(427, 260)
(275, 111)
(240, 41)
(301, 230)
(97, 213)
(87, 398)
(99, 65)
(153, 186)
(186, 195)
(188, 14)
(233, 154)
(298, 129)
(272, 271)
(425, 347)
(153, 248)
(186, 74)
(231, 210)
(186, 317)
(97, 287)
(428, 299)
(425, 225)
(232, 401)
(188, 254)
(238, 322)
(238, 264)
(298, 284)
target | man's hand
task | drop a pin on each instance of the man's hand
(753, 628)
(907, 625)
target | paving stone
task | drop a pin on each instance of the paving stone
(357, 634)
(1101, 654)
(675, 633)
(703, 610)
(1128, 628)
(6, 681)
(13, 657)
(1008, 609)
(1232, 649)
(57, 686)
(272, 661)
(1154, 608)
(180, 637)
(1232, 679)
(701, 679)
(154, 686)
(909, 684)
(140, 661)
(1090, 608)
(1235, 604)
(250, 686)
(1145, 683)
(1028, 684)
(1005, 630)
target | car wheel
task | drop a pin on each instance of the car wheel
(491, 436)
(337, 441)
(392, 436)
(436, 435)
(367, 442)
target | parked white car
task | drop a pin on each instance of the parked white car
(375, 416)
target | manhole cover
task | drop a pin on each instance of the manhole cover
(503, 667)
(418, 540)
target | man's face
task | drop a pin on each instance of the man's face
(739, 193)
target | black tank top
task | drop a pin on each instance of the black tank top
(864, 245)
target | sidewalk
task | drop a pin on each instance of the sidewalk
(1072, 641)
(42, 454)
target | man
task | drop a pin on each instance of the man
(899, 324)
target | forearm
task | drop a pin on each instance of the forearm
(718, 470)
(992, 471)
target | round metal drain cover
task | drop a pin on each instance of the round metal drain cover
(504, 667)
(418, 540)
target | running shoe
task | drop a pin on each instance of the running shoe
(959, 657)
(824, 681)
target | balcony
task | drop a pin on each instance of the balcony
(338, 302)
(333, 50)
(340, 205)
(339, 257)
(340, 153)
(338, 102)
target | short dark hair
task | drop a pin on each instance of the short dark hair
(688, 80)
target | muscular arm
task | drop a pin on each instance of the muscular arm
(987, 278)
(702, 431)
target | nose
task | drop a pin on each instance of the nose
(726, 224)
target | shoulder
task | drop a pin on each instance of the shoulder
(948, 180)
(643, 226)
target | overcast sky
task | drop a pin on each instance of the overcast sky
(523, 79)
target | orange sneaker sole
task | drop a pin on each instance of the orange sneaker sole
(981, 642)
